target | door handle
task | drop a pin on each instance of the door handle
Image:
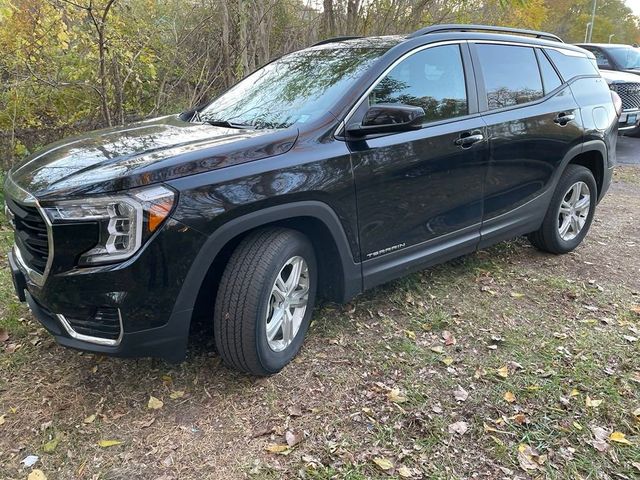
(563, 118)
(466, 141)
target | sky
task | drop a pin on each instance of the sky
(634, 5)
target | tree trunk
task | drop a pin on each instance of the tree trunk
(328, 29)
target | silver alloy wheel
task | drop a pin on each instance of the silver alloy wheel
(287, 303)
(574, 210)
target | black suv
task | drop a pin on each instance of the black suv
(327, 172)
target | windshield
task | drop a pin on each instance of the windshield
(628, 58)
(296, 88)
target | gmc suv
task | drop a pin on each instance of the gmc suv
(324, 173)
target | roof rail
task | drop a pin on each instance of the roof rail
(482, 28)
(333, 40)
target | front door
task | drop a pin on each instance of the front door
(422, 190)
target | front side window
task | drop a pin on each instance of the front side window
(511, 75)
(295, 88)
(432, 79)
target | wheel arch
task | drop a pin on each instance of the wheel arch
(591, 155)
(340, 280)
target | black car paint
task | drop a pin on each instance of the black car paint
(362, 191)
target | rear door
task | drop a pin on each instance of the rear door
(419, 193)
(532, 122)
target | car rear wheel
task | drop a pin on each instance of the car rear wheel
(265, 300)
(570, 212)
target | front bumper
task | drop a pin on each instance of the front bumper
(629, 120)
(142, 292)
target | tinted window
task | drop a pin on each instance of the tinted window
(550, 78)
(569, 65)
(511, 75)
(601, 59)
(627, 57)
(432, 79)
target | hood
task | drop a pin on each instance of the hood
(140, 154)
(613, 76)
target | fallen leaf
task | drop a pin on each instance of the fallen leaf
(176, 394)
(410, 334)
(90, 419)
(528, 458)
(437, 349)
(520, 419)
(460, 394)
(630, 338)
(405, 472)
(51, 445)
(278, 449)
(636, 413)
(592, 402)
(636, 465)
(509, 397)
(295, 411)
(619, 437)
(2, 420)
(147, 423)
(154, 403)
(517, 294)
(383, 463)
(394, 395)
(459, 427)
(108, 443)
(293, 438)
(574, 392)
(503, 372)
(447, 361)
(4, 335)
(448, 338)
(37, 475)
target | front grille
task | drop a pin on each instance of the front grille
(105, 323)
(629, 94)
(30, 235)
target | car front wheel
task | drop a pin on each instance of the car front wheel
(265, 300)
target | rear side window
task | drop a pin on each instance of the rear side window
(550, 78)
(511, 75)
(572, 65)
(432, 79)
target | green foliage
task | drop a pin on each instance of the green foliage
(69, 66)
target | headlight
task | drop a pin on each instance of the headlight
(126, 220)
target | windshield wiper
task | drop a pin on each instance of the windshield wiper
(227, 124)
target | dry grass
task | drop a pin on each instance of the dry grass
(556, 323)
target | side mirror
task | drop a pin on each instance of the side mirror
(388, 118)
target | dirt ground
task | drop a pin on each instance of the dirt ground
(509, 363)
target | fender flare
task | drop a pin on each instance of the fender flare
(222, 235)
(589, 146)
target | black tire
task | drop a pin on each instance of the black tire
(244, 295)
(548, 238)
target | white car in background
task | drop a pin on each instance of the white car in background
(627, 86)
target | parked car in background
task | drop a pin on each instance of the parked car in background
(326, 172)
(627, 86)
(611, 56)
